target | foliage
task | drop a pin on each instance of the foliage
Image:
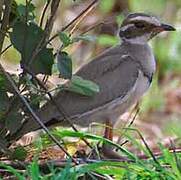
(167, 167)
(36, 56)
(33, 50)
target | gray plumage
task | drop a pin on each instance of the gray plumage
(115, 81)
(123, 74)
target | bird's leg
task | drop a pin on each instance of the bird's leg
(107, 150)
(108, 134)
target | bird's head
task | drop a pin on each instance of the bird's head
(140, 28)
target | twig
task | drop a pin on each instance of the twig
(50, 21)
(5, 21)
(146, 145)
(56, 163)
(136, 113)
(62, 162)
(25, 34)
(63, 29)
(58, 106)
(81, 18)
(92, 27)
(129, 125)
(175, 155)
(37, 51)
(49, 24)
(97, 24)
(44, 12)
(1, 8)
(4, 50)
(35, 117)
(47, 31)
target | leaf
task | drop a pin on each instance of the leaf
(89, 38)
(26, 44)
(4, 85)
(21, 9)
(108, 40)
(13, 121)
(64, 63)
(19, 153)
(4, 102)
(106, 6)
(83, 87)
(4, 145)
(44, 62)
(65, 39)
(12, 171)
(69, 133)
(34, 170)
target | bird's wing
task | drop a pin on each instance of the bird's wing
(116, 76)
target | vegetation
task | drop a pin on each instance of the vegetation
(52, 38)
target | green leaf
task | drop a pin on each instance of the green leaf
(13, 121)
(4, 102)
(107, 40)
(33, 36)
(21, 9)
(34, 170)
(65, 39)
(89, 38)
(64, 63)
(2, 81)
(106, 5)
(19, 153)
(154, 6)
(4, 145)
(43, 62)
(68, 133)
(83, 87)
(12, 171)
(25, 38)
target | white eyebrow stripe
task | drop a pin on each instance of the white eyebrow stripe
(151, 20)
(124, 28)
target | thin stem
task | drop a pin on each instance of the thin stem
(35, 117)
(47, 31)
(73, 21)
(59, 108)
(44, 12)
(4, 50)
(5, 22)
(63, 29)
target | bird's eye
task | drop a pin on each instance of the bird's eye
(139, 25)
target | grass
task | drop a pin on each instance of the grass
(166, 166)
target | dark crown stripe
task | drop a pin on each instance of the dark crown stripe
(138, 14)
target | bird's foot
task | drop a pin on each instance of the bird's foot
(107, 149)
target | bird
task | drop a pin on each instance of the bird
(123, 73)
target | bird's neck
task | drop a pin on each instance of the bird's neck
(137, 39)
(141, 53)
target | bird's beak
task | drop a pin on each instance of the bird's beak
(166, 27)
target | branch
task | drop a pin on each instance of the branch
(63, 162)
(5, 22)
(33, 114)
(47, 30)
(93, 4)
(59, 108)
(44, 12)
(1, 8)
(39, 49)
(4, 50)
